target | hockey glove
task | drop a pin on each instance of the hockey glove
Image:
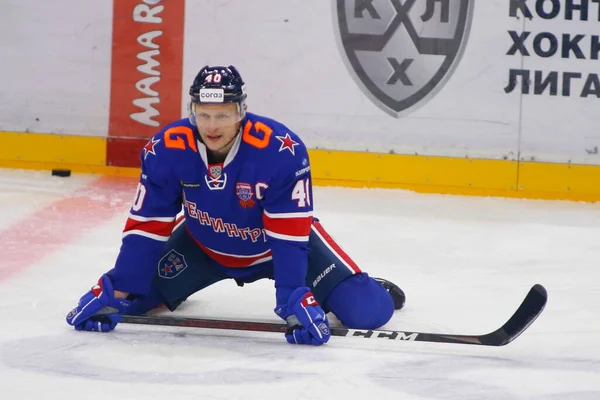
(98, 310)
(308, 323)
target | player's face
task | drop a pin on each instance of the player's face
(218, 124)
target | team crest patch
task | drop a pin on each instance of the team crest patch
(244, 193)
(171, 265)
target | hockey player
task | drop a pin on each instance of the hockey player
(244, 183)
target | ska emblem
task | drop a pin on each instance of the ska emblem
(171, 265)
(401, 52)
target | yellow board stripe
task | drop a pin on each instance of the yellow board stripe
(52, 148)
(408, 170)
(574, 179)
(425, 174)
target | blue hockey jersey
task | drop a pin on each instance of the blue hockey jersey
(253, 208)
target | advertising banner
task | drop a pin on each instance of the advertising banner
(146, 73)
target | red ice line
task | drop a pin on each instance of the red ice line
(59, 223)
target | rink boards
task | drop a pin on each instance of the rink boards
(494, 98)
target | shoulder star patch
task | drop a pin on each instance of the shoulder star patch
(287, 143)
(149, 147)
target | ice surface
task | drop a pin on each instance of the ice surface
(465, 264)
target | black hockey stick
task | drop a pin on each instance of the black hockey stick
(528, 311)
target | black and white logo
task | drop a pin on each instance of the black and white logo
(401, 52)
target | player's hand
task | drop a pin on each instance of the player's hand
(98, 310)
(307, 320)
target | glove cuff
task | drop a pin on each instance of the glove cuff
(287, 299)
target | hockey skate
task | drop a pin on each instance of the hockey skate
(394, 291)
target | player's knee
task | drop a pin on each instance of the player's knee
(359, 302)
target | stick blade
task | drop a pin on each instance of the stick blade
(531, 308)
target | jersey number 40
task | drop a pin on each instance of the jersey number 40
(301, 192)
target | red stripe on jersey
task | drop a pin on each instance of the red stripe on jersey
(337, 249)
(155, 227)
(288, 226)
(230, 260)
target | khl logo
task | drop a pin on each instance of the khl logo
(402, 52)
